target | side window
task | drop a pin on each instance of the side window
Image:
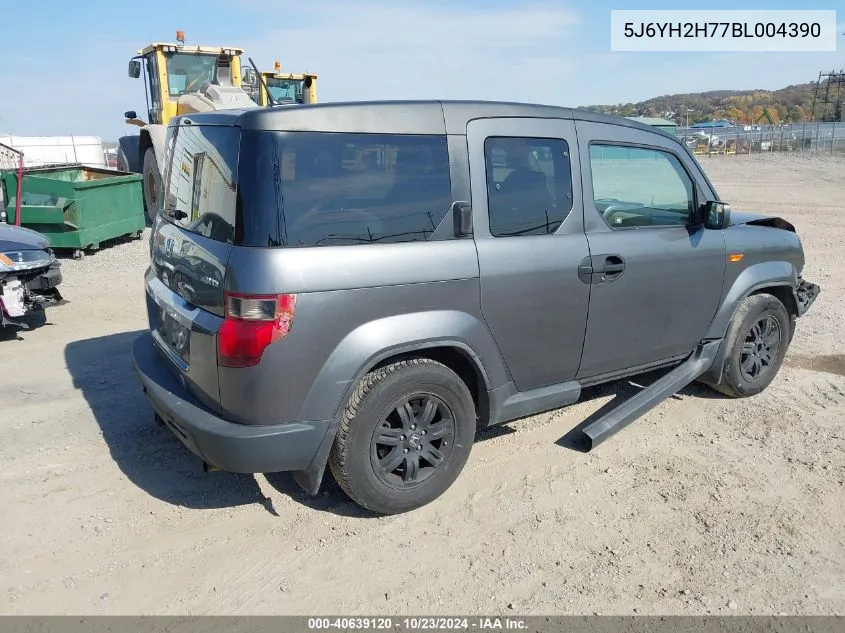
(349, 189)
(636, 186)
(529, 185)
(155, 89)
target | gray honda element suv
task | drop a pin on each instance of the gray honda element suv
(364, 285)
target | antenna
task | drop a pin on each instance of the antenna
(261, 79)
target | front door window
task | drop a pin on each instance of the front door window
(637, 186)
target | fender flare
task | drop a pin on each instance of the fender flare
(749, 281)
(375, 342)
(372, 343)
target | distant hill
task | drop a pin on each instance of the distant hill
(792, 104)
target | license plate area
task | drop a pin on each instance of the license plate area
(174, 335)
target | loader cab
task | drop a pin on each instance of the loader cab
(284, 88)
(171, 70)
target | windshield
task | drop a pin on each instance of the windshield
(285, 90)
(187, 72)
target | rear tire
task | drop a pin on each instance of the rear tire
(151, 183)
(122, 161)
(404, 437)
(757, 341)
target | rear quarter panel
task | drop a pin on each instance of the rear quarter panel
(355, 306)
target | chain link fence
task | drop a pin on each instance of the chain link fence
(754, 139)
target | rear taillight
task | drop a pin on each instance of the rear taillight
(252, 322)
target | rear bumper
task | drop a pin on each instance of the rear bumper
(222, 444)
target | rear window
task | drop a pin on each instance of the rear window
(339, 189)
(201, 180)
(262, 188)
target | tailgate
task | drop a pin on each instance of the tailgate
(190, 245)
(184, 289)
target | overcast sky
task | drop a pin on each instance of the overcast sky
(67, 74)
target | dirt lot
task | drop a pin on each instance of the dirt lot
(706, 505)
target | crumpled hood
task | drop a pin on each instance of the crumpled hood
(759, 219)
(16, 237)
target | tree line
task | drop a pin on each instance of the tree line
(792, 104)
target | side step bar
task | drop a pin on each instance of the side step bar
(636, 406)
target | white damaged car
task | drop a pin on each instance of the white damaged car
(29, 275)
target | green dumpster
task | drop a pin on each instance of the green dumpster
(78, 207)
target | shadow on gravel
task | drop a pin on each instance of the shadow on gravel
(33, 321)
(331, 498)
(154, 460)
(149, 455)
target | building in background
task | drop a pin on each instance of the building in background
(712, 124)
(663, 124)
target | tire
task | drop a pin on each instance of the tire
(122, 161)
(748, 329)
(151, 183)
(358, 459)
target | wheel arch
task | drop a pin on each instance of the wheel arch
(457, 354)
(457, 339)
(785, 293)
(775, 278)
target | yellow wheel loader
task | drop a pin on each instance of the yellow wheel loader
(178, 79)
(274, 87)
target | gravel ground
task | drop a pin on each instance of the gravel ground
(705, 505)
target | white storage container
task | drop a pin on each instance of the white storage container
(58, 150)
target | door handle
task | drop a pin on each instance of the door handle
(610, 269)
(613, 267)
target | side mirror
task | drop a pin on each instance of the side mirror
(134, 69)
(130, 114)
(715, 215)
(462, 219)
